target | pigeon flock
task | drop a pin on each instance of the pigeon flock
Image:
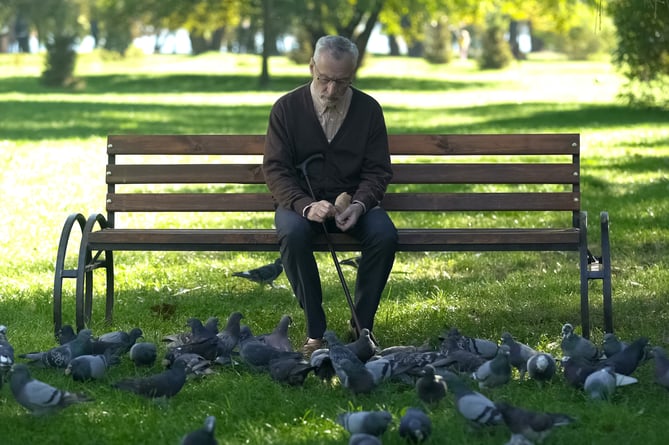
(461, 369)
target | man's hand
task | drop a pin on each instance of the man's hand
(349, 217)
(320, 211)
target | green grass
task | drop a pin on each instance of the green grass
(52, 163)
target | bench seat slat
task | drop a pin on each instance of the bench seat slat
(245, 202)
(406, 144)
(266, 239)
(427, 173)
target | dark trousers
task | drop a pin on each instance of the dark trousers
(378, 237)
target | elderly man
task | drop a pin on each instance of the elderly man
(346, 127)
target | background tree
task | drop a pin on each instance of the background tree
(642, 51)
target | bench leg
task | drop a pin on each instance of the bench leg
(606, 273)
(60, 271)
(86, 265)
(109, 306)
(583, 267)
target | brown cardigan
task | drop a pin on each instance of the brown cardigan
(357, 160)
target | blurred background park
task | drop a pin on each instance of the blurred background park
(632, 34)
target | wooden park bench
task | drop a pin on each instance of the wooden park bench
(491, 175)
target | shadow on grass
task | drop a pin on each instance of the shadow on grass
(35, 120)
(225, 83)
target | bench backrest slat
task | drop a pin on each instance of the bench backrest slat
(404, 144)
(403, 174)
(242, 202)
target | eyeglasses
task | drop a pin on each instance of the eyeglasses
(325, 81)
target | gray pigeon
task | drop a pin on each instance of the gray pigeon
(143, 353)
(380, 368)
(202, 436)
(363, 439)
(6, 355)
(472, 405)
(661, 366)
(165, 384)
(494, 372)
(533, 425)
(519, 353)
(119, 341)
(364, 347)
(365, 422)
(576, 371)
(290, 370)
(264, 274)
(278, 338)
(349, 368)
(320, 360)
(228, 338)
(196, 365)
(201, 341)
(627, 360)
(91, 367)
(65, 334)
(415, 425)
(182, 338)
(611, 345)
(601, 384)
(60, 356)
(258, 354)
(39, 397)
(430, 387)
(541, 366)
(577, 347)
(479, 346)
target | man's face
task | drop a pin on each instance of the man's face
(331, 76)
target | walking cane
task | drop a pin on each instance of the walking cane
(303, 168)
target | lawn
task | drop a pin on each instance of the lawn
(52, 157)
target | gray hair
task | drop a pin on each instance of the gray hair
(337, 46)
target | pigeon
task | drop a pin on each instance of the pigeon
(541, 366)
(364, 347)
(575, 346)
(462, 361)
(196, 365)
(365, 422)
(353, 262)
(576, 371)
(228, 338)
(472, 405)
(258, 354)
(533, 425)
(349, 368)
(165, 384)
(39, 397)
(494, 372)
(626, 361)
(380, 368)
(264, 274)
(601, 384)
(176, 340)
(60, 356)
(430, 387)
(143, 353)
(119, 341)
(320, 360)
(519, 353)
(363, 439)
(202, 436)
(415, 425)
(661, 366)
(65, 334)
(611, 345)
(278, 338)
(6, 354)
(479, 346)
(91, 367)
(290, 370)
(201, 341)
